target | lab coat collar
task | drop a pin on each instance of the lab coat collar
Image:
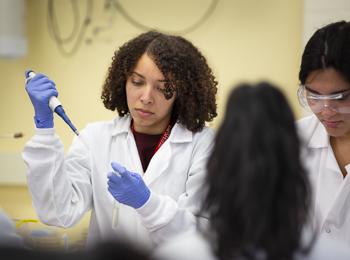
(121, 125)
(161, 159)
(179, 134)
(319, 138)
(347, 168)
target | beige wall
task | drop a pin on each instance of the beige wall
(243, 40)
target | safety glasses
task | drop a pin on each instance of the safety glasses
(339, 102)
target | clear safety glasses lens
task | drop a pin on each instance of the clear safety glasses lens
(315, 103)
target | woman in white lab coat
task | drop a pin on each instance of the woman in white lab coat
(141, 173)
(325, 90)
(258, 195)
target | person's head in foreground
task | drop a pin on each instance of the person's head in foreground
(258, 192)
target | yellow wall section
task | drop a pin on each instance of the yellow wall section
(243, 40)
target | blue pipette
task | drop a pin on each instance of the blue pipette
(55, 105)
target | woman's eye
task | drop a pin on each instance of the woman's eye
(137, 82)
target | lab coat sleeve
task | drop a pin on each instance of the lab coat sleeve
(60, 187)
(162, 215)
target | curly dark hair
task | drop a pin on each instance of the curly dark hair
(258, 192)
(184, 68)
(327, 48)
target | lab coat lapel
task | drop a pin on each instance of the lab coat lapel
(331, 163)
(159, 163)
(135, 161)
(129, 149)
(319, 138)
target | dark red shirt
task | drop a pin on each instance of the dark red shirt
(146, 145)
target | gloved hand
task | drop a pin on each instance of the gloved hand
(127, 187)
(40, 88)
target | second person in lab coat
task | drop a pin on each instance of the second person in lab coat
(258, 194)
(141, 173)
(325, 91)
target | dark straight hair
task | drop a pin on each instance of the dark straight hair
(258, 192)
(329, 47)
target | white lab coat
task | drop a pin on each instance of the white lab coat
(193, 245)
(331, 192)
(64, 188)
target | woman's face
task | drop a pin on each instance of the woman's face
(326, 82)
(148, 107)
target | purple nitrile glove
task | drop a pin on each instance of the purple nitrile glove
(127, 187)
(40, 89)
